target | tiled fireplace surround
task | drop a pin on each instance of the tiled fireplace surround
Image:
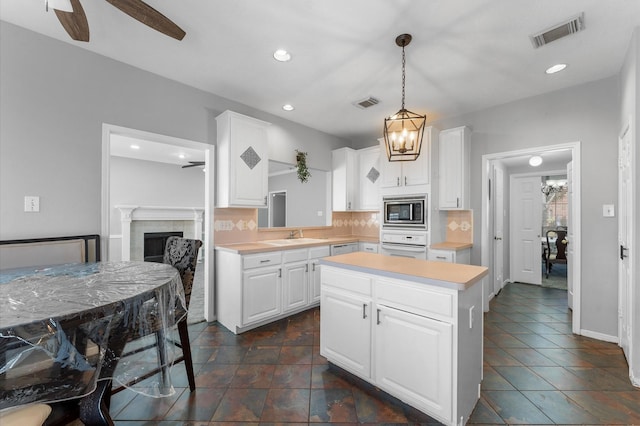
(233, 225)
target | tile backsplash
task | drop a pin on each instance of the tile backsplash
(234, 225)
(460, 226)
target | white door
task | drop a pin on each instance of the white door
(526, 220)
(570, 231)
(498, 229)
(403, 339)
(345, 331)
(625, 273)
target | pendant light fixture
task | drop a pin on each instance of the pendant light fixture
(403, 131)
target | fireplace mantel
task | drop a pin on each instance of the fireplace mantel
(130, 213)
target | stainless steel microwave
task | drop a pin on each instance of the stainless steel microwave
(405, 212)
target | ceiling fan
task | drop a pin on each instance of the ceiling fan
(76, 25)
(193, 164)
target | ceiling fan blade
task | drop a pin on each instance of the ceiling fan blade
(75, 23)
(193, 164)
(144, 13)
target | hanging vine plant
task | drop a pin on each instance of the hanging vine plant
(301, 164)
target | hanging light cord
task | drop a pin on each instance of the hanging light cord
(403, 77)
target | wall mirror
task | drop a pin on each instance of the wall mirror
(292, 203)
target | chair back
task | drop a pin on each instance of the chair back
(182, 253)
(558, 248)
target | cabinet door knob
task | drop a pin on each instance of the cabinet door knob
(364, 311)
(378, 316)
(398, 181)
(280, 273)
(405, 181)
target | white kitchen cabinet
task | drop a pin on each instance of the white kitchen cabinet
(420, 343)
(407, 174)
(344, 178)
(454, 168)
(261, 294)
(256, 289)
(345, 321)
(369, 178)
(368, 247)
(242, 161)
(451, 256)
(315, 254)
(424, 344)
(295, 282)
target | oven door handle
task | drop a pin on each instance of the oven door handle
(402, 247)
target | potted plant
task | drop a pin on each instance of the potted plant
(301, 164)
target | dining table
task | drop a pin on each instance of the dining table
(63, 330)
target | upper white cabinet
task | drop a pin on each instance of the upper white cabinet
(407, 174)
(454, 168)
(369, 178)
(344, 162)
(243, 162)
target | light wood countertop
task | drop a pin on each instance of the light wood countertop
(262, 247)
(455, 276)
(449, 245)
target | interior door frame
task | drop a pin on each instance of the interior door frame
(209, 154)
(486, 243)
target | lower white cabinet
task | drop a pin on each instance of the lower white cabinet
(261, 294)
(256, 289)
(345, 333)
(405, 339)
(451, 256)
(420, 343)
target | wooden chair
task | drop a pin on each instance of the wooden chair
(181, 253)
(556, 251)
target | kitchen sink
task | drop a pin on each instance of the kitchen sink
(293, 241)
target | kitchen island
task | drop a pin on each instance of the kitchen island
(412, 328)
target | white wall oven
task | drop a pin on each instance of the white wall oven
(409, 212)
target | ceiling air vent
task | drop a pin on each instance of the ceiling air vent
(366, 103)
(571, 26)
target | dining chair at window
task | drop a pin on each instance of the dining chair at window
(181, 253)
(556, 249)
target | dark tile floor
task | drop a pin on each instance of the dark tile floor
(535, 372)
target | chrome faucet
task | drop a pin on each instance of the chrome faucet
(292, 234)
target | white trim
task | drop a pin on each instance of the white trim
(485, 242)
(599, 336)
(208, 242)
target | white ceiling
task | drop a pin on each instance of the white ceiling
(466, 55)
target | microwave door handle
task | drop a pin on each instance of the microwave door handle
(410, 213)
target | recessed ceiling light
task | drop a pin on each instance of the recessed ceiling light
(288, 107)
(535, 161)
(556, 68)
(181, 156)
(134, 146)
(281, 55)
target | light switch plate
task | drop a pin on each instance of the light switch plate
(608, 210)
(31, 203)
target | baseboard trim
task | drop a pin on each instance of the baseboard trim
(599, 336)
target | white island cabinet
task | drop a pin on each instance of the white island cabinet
(410, 327)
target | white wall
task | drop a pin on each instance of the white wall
(304, 200)
(148, 183)
(55, 98)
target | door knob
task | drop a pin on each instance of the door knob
(497, 238)
(622, 250)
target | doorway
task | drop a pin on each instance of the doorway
(492, 243)
(109, 132)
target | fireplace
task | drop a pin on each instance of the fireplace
(154, 244)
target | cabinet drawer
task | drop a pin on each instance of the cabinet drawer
(369, 247)
(316, 252)
(415, 298)
(261, 259)
(441, 255)
(294, 255)
(338, 278)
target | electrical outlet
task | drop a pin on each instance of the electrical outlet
(31, 203)
(608, 210)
